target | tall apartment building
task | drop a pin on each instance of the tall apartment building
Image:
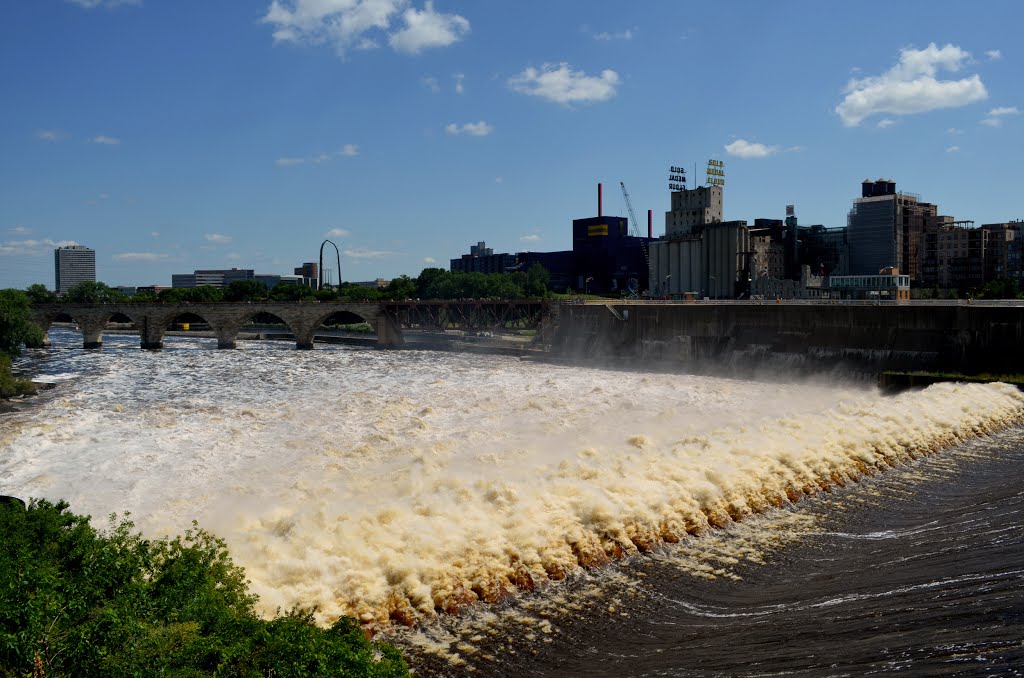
(72, 265)
(885, 229)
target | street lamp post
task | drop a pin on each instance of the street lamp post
(586, 285)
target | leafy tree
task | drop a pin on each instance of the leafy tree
(16, 330)
(426, 278)
(80, 602)
(93, 293)
(1000, 289)
(287, 292)
(358, 293)
(16, 326)
(204, 294)
(201, 294)
(39, 294)
(326, 295)
(145, 297)
(537, 281)
(402, 287)
(246, 290)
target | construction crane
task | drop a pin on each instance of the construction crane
(635, 230)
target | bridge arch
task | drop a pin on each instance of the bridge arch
(328, 325)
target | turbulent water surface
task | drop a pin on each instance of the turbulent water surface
(529, 518)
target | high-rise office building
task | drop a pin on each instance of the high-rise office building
(73, 265)
(885, 229)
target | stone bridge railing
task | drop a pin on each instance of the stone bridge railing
(225, 319)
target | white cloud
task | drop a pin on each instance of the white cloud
(32, 248)
(996, 115)
(994, 55)
(911, 86)
(346, 151)
(623, 35)
(886, 122)
(431, 83)
(473, 129)
(952, 149)
(218, 238)
(155, 234)
(338, 233)
(360, 24)
(106, 141)
(20, 230)
(51, 135)
(233, 256)
(499, 180)
(742, 148)
(108, 4)
(459, 87)
(366, 254)
(139, 256)
(429, 260)
(531, 237)
(563, 85)
(428, 29)
(954, 130)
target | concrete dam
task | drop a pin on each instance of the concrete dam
(967, 337)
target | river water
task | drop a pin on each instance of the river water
(528, 518)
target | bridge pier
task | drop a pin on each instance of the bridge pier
(389, 334)
(151, 333)
(92, 333)
(226, 336)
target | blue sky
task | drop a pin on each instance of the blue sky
(171, 135)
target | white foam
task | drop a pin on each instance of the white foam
(395, 484)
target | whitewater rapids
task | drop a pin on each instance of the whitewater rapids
(393, 486)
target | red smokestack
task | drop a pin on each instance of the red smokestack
(599, 200)
(650, 224)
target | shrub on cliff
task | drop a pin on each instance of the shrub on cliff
(75, 601)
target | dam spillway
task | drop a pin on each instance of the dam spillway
(962, 337)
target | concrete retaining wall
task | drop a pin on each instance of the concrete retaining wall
(803, 337)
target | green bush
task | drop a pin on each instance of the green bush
(11, 385)
(75, 601)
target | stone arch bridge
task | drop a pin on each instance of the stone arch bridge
(303, 319)
(225, 319)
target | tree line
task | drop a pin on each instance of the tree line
(431, 283)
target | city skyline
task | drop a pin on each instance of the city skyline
(186, 136)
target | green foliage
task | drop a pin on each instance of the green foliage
(358, 293)
(1001, 289)
(288, 292)
(402, 287)
(79, 602)
(11, 385)
(246, 290)
(326, 294)
(198, 295)
(93, 293)
(16, 326)
(39, 294)
(145, 297)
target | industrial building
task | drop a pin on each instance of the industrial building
(605, 257)
(700, 254)
(482, 259)
(73, 265)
